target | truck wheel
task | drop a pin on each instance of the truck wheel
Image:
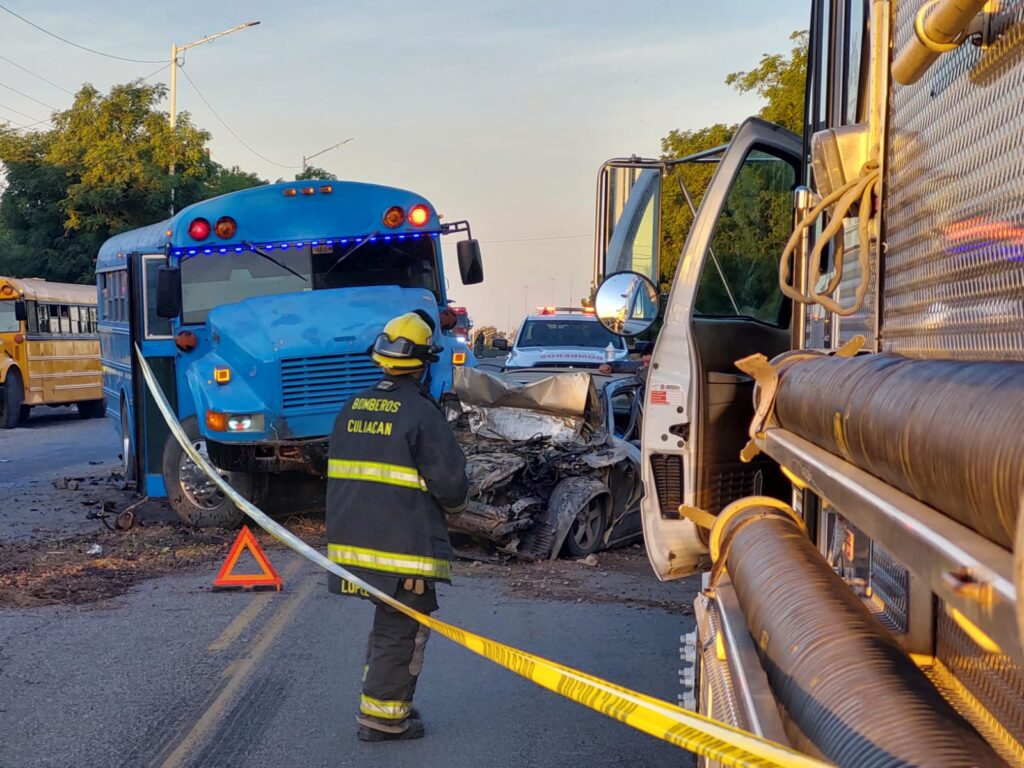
(10, 403)
(194, 497)
(587, 532)
(92, 409)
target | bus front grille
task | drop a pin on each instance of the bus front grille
(325, 382)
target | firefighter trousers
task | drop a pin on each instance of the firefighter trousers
(394, 658)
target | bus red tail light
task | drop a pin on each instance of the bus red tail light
(225, 227)
(393, 217)
(199, 229)
(419, 215)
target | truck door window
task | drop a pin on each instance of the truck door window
(740, 273)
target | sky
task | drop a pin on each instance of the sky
(497, 112)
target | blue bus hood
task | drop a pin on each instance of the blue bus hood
(296, 358)
(266, 328)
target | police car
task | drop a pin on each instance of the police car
(561, 337)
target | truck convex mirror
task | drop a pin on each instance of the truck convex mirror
(168, 292)
(20, 310)
(627, 303)
(501, 344)
(471, 264)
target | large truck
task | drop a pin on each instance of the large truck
(855, 482)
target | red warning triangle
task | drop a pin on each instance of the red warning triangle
(266, 578)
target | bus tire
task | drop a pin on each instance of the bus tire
(92, 409)
(10, 404)
(192, 495)
(24, 413)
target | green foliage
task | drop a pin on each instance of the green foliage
(780, 80)
(102, 168)
(313, 172)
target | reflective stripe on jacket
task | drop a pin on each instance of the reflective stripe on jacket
(394, 466)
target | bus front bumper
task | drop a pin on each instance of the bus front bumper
(272, 456)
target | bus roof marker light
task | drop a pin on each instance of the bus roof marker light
(199, 229)
(394, 217)
(309, 190)
(419, 215)
(289, 192)
(326, 189)
(225, 227)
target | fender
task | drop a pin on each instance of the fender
(6, 364)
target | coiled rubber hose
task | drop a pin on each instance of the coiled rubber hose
(841, 678)
(949, 433)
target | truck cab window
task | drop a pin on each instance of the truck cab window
(740, 273)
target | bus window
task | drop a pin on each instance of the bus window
(156, 327)
(8, 321)
(209, 281)
(409, 264)
(92, 320)
(76, 321)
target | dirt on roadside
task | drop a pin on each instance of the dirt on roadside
(95, 566)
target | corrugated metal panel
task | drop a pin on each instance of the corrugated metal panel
(325, 382)
(954, 218)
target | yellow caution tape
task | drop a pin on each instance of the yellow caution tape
(689, 730)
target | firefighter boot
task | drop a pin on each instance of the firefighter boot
(373, 729)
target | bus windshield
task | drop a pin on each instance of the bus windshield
(208, 281)
(8, 322)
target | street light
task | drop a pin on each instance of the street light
(178, 49)
(306, 159)
(175, 51)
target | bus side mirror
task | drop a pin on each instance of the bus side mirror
(20, 310)
(471, 264)
(168, 292)
(501, 344)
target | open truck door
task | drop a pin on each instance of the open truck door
(724, 304)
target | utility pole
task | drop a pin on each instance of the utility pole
(176, 50)
(306, 159)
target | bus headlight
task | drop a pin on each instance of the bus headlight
(234, 422)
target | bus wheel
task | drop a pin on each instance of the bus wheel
(92, 409)
(24, 413)
(193, 495)
(10, 404)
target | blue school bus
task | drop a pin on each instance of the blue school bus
(255, 311)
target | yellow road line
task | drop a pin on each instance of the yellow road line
(249, 614)
(238, 674)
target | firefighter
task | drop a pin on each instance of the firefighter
(394, 471)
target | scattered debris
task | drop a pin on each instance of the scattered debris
(95, 550)
(590, 560)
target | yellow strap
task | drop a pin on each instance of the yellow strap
(389, 562)
(376, 472)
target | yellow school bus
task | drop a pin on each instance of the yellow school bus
(49, 349)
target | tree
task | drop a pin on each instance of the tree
(102, 168)
(313, 172)
(780, 80)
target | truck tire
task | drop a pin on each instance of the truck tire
(193, 496)
(10, 403)
(92, 409)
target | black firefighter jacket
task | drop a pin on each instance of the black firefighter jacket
(394, 468)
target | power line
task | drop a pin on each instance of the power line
(36, 74)
(76, 45)
(534, 239)
(13, 122)
(157, 72)
(221, 119)
(30, 98)
(23, 114)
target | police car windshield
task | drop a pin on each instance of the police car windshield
(567, 333)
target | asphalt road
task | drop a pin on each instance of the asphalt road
(176, 676)
(53, 446)
(173, 675)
